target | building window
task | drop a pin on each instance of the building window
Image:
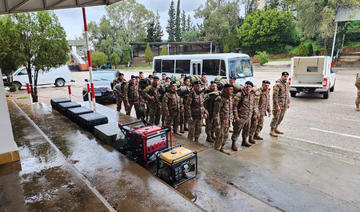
(183, 66)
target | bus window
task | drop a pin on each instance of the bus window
(158, 65)
(222, 68)
(211, 67)
(183, 66)
(240, 68)
(168, 66)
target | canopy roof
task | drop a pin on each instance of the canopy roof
(17, 6)
(348, 14)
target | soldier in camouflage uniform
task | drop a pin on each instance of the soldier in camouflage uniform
(196, 111)
(183, 92)
(281, 102)
(204, 82)
(131, 97)
(223, 113)
(244, 107)
(262, 96)
(210, 95)
(357, 84)
(163, 79)
(171, 104)
(153, 97)
(118, 92)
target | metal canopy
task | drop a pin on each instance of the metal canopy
(347, 14)
(17, 6)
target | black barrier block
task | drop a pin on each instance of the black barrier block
(73, 113)
(65, 106)
(55, 102)
(107, 133)
(89, 120)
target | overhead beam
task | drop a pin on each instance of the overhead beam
(5, 5)
(18, 5)
(55, 4)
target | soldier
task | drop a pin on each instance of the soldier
(262, 96)
(281, 102)
(118, 86)
(184, 91)
(154, 73)
(171, 103)
(196, 111)
(210, 95)
(163, 79)
(141, 75)
(116, 80)
(204, 82)
(150, 80)
(131, 97)
(243, 108)
(153, 97)
(222, 115)
(357, 84)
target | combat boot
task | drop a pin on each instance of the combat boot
(278, 131)
(273, 133)
(233, 146)
(210, 139)
(245, 143)
(257, 137)
(223, 151)
(251, 140)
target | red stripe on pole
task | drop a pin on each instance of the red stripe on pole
(89, 58)
(28, 88)
(84, 17)
(92, 91)
(88, 87)
(69, 89)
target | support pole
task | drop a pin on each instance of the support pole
(29, 93)
(210, 47)
(88, 52)
(69, 91)
(333, 45)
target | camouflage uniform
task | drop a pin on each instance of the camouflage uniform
(280, 99)
(222, 116)
(357, 101)
(210, 121)
(195, 109)
(183, 92)
(263, 103)
(244, 107)
(118, 92)
(171, 103)
(204, 84)
(131, 97)
(154, 104)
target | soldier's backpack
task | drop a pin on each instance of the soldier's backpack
(143, 83)
(220, 82)
(119, 88)
(209, 101)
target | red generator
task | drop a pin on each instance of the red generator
(140, 141)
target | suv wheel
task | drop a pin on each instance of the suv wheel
(59, 82)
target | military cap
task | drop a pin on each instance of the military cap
(183, 75)
(232, 78)
(163, 74)
(203, 74)
(156, 78)
(121, 74)
(137, 77)
(197, 82)
(172, 82)
(227, 85)
(150, 76)
(186, 78)
(212, 82)
(285, 73)
(141, 72)
(154, 72)
(266, 82)
(249, 83)
(133, 77)
(168, 78)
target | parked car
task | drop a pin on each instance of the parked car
(57, 76)
(102, 87)
(312, 75)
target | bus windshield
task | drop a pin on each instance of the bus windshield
(240, 68)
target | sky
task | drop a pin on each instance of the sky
(72, 21)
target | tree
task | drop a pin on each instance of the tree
(151, 31)
(188, 23)
(226, 48)
(316, 18)
(302, 50)
(114, 59)
(269, 30)
(45, 44)
(177, 23)
(126, 57)
(170, 29)
(98, 58)
(183, 23)
(11, 47)
(158, 30)
(164, 50)
(149, 56)
(191, 35)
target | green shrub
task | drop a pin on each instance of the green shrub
(164, 50)
(148, 54)
(262, 56)
(317, 52)
(310, 49)
(302, 50)
(12, 88)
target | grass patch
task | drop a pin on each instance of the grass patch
(280, 59)
(354, 43)
(23, 97)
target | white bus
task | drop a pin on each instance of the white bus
(225, 65)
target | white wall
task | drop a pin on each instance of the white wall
(7, 143)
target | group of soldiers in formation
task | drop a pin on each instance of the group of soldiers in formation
(188, 103)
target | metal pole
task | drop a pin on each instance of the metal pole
(210, 47)
(88, 51)
(333, 45)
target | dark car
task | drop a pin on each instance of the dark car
(102, 87)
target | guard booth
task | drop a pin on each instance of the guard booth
(8, 148)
